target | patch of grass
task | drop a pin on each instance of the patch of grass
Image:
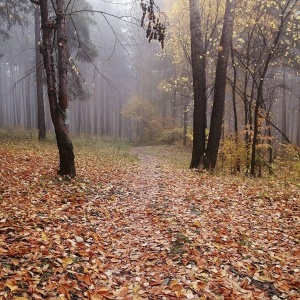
(110, 147)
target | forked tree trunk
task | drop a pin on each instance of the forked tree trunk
(58, 105)
(199, 83)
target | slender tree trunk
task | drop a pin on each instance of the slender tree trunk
(220, 87)
(185, 120)
(283, 108)
(174, 104)
(120, 116)
(27, 103)
(199, 83)
(236, 130)
(102, 109)
(256, 129)
(58, 106)
(39, 79)
(107, 114)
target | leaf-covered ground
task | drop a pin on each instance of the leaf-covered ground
(131, 229)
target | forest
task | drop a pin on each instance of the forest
(149, 149)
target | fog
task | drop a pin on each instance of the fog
(108, 51)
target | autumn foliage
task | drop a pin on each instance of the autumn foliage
(135, 225)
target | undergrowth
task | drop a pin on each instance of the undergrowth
(114, 151)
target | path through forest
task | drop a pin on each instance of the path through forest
(143, 230)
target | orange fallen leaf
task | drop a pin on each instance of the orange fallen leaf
(197, 224)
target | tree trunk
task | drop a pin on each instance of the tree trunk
(27, 102)
(65, 146)
(283, 109)
(220, 87)
(120, 116)
(199, 83)
(173, 108)
(185, 120)
(255, 129)
(236, 129)
(39, 79)
(58, 107)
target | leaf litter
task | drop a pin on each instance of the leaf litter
(142, 229)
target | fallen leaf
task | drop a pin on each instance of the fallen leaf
(67, 261)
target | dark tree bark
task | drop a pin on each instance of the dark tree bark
(199, 83)
(236, 129)
(39, 79)
(220, 87)
(65, 146)
(58, 105)
(283, 108)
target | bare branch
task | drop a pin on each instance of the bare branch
(89, 58)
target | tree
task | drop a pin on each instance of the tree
(198, 55)
(220, 87)
(58, 101)
(199, 83)
(144, 119)
(262, 44)
(285, 13)
(39, 78)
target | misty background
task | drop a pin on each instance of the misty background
(114, 64)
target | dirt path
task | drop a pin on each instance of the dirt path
(178, 236)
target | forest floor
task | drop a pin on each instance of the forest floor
(136, 224)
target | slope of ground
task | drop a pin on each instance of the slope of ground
(134, 226)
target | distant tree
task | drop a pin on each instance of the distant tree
(12, 13)
(144, 120)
